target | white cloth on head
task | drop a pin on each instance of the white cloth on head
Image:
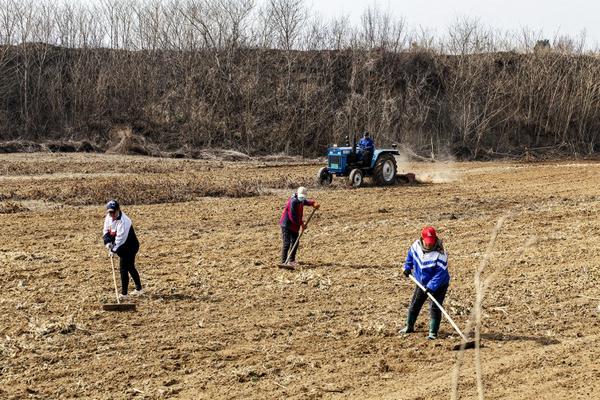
(302, 193)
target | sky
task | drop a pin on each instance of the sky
(551, 17)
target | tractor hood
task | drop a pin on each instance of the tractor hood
(340, 150)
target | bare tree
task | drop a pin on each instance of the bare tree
(340, 33)
(288, 18)
(227, 73)
(379, 29)
(8, 21)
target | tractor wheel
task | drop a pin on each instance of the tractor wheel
(355, 178)
(385, 170)
(324, 178)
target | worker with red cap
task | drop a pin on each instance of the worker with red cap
(428, 262)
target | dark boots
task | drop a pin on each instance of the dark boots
(410, 324)
(434, 327)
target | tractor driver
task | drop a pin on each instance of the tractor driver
(366, 147)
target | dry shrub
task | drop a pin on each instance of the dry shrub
(84, 146)
(281, 158)
(288, 182)
(46, 328)
(52, 146)
(40, 164)
(124, 141)
(11, 207)
(10, 347)
(20, 146)
(477, 93)
(136, 181)
(249, 374)
(313, 279)
(219, 154)
(373, 329)
(140, 190)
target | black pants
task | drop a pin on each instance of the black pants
(367, 156)
(419, 298)
(127, 267)
(289, 238)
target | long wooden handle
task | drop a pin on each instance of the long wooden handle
(112, 263)
(440, 307)
(299, 236)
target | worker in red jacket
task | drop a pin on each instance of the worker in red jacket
(291, 222)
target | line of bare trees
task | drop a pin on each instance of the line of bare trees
(273, 77)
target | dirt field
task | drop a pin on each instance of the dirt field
(220, 321)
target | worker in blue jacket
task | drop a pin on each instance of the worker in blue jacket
(428, 262)
(366, 148)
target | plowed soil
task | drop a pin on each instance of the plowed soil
(219, 320)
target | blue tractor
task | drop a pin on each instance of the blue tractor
(348, 161)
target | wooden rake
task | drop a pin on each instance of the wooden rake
(118, 306)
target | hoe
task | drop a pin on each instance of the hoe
(285, 264)
(118, 306)
(466, 343)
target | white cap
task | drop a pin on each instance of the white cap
(302, 193)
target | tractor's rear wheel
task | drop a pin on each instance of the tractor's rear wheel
(385, 170)
(324, 177)
(355, 178)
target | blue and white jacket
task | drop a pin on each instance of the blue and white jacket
(430, 267)
(121, 234)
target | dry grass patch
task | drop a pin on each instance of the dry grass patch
(12, 207)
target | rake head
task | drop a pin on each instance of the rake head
(118, 307)
(466, 345)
